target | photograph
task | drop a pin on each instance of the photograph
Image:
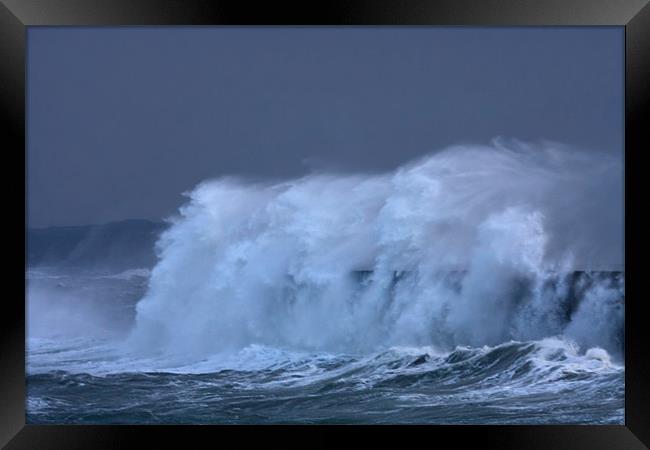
(327, 225)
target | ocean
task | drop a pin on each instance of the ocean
(478, 285)
(94, 380)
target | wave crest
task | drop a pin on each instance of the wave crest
(471, 246)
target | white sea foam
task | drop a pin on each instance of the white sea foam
(360, 263)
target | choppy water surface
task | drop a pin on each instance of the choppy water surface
(93, 380)
(477, 285)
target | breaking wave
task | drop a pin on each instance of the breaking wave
(472, 246)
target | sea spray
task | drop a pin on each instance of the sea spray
(473, 245)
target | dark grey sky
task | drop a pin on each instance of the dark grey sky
(121, 121)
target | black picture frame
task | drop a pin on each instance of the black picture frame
(17, 15)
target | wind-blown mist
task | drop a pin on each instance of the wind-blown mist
(472, 246)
